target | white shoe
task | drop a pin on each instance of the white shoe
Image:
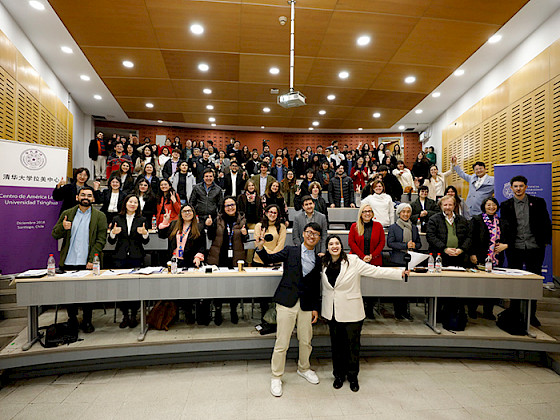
(310, 376)
(276, 387)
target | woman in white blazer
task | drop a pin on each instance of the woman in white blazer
(343, 307)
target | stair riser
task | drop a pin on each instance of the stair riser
(5, 284)
(11, 298)
(13, 313)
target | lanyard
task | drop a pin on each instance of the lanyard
(230, 235)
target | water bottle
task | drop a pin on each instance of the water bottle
(488, 264)
(154, 223)
(96, 265)
(51, 266)
(419, 225)
(174, 264)
(438, 263)
(431, 263)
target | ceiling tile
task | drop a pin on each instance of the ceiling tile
(317, 95)
(108, 62)
(203, 119)
(255, 69)
(496, 11)
(184, 65)
(392, 99)
(155, 88)
(164, 116)
(443, 42)
(325, 73)
(194, 89)
(266, 120)
(400, 7)
(427, 78)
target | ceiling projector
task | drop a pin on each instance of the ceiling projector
(291, 100)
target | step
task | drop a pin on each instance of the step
(550, 304)
(7, 295)
(11, 310)
(548, 314)
(552, 330)
(551, 292)
(5, 283)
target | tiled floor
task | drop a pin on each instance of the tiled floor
(391, 388)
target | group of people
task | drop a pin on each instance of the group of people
(319, 277)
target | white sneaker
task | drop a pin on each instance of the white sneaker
(276, 387)
(310, 376)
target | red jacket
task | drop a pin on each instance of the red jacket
(356, 242)
(359, 178)
(175, 209)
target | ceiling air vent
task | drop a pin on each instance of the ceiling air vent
(410, 129)
(99, 117)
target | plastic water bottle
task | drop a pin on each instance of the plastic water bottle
(419, 225)
(488, 264)
(438, 263)
(174, 264)
(96, 265)
(51, 266)
(154, 223)
(431, 263)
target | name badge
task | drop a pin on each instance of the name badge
(180, 253)
(230, 253)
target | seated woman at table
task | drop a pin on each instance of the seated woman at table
(129, 232)
(187, 240)
(111, 199)
(270, 224)
(402, 236)
(381, 204)
(147, 200)
(366, 239)
(343, 307)
(487, 230)
(228, 234)
(449, 234)
(167, 200)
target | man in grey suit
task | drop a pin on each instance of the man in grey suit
(305, 216)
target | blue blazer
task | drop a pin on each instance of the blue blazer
(398, 247)
(476, 196)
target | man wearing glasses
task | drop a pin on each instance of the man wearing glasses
(297, 301)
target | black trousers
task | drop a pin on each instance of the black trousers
(533, 260)
(72, 309)
(345, 348)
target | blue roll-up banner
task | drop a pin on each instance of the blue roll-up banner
(539, 176)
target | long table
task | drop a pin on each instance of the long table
(259, 282)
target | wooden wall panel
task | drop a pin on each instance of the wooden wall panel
(532, 75)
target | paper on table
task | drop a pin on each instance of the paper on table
(149, 270)
(80, 273)
(415, 259)
(33, 273)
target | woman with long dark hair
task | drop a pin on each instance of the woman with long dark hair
(111, 199)
(187, 241)
(167, 201)
(343, 307)
(359, 174)
(461, 208)
(129, 233)
(147, 200)
(274, 196)
(228, 233)
(124, 173)
(289, 188)
(149, 174)
(421, 168)
(67, 192)
(145, 157)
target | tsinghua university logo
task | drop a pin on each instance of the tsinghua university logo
(33, 159)
(506, 191)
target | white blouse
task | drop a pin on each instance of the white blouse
(383, 208)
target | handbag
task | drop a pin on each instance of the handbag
(162, 314)
(59, 334)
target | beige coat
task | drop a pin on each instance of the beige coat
(346, 296)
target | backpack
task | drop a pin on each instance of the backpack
(162, 314)
(512, 322)
(58, 334)
(453, 317)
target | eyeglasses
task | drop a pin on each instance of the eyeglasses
(187, 211)
(312, 234)
(367, 211)
(229, 205)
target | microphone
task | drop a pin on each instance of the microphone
(407, 259)
(267, 238)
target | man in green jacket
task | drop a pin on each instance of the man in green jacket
(84, 233)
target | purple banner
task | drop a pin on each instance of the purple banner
(28, 216)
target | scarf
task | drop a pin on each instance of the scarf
(493, 225)
(100, 147)
(406, 229)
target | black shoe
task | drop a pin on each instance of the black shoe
(535, 322)
(473, 314)
(87, 327)
(218, 318)
(124, 323)
(408, 317)
(354, 386)
(369, 313)
(73, 323)
(234, 317)
(338, 382)
(489, 315)
(399, 317)
(133, 323)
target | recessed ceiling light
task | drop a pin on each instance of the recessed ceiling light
(66, 50)
(98, 97)
(37, 5)
(436, 95)
(207, 91)
(213, 124)
(266, 109)
(262, 126)
(418, 111)
(322, 112)
(331, 97)
(363, 40)
(311, 129)
(315, 123)
(160, 121)
(274, 70)
(85, 77)
(211, 119)
(495, 38)
(209, 107)
(376, 115)
(128, 64)
(343, 75)
(410, 79)
(360, 129)
(197, 29)
(401, 127)
(459, 72)
(149, 105)
(203, 67)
